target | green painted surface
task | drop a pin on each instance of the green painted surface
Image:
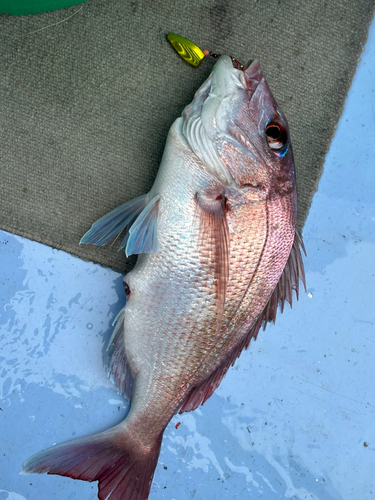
(23, 7)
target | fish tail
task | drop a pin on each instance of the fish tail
(115, 458)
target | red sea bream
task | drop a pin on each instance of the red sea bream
(218, 251)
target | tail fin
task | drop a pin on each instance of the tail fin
(123, 467)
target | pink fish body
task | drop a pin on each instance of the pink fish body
(218, 250)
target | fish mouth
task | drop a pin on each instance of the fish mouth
(206, 119)
(222, 78)
(247, 77)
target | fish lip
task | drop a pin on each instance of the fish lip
(252, 75)
(228, 63)
(205, 93)
(248, 64)
(196, 105)
(252, 69)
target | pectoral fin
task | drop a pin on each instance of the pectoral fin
(214, 239)
(138, 217)
(112, 224)
(143, 233)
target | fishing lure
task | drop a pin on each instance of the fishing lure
(192, 54)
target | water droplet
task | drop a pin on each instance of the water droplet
(89, 326)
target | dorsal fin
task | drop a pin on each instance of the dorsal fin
(289, 280)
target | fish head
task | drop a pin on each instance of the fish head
(237, 130)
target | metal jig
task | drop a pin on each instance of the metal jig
(192, 54)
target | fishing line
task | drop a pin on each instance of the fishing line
(45, 27)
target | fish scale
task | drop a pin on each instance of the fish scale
(268, 269)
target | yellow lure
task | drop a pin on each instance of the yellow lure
(187, 49)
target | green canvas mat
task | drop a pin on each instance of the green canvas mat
(88, 94)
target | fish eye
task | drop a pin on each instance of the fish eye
(277, 138)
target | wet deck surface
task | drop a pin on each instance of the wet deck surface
(293, 419)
